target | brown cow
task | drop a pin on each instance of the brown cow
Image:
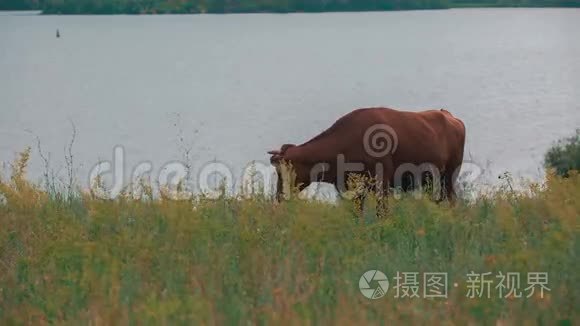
(382, 143)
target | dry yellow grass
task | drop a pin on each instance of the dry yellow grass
(152, 261)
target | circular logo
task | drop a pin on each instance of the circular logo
(380, 140)
(373, 284)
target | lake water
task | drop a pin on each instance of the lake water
(235, 86)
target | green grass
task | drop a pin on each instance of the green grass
(250, 261)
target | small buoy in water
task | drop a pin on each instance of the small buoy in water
(57, 34)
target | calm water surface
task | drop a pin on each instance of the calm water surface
(235, 86)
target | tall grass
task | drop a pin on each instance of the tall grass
(82, 260)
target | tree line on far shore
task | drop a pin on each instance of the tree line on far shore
(247, 6)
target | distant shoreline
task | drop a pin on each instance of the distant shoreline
(41, 13)
(154, 12)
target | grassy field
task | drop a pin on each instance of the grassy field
(230, 261)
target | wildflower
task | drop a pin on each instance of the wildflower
(490, 260)
(277, 291)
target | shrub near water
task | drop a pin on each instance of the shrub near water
(564, 156)
(251, 261)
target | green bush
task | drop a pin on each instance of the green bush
(564, 156)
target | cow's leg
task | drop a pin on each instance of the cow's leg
(448, 186)
(452, 173)
(445, 188)
(442, 189)
(449, 189)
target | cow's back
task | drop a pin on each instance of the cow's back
(432, 136)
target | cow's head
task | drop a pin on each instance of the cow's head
(288, 165)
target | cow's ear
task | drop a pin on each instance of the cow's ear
(285, 147)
